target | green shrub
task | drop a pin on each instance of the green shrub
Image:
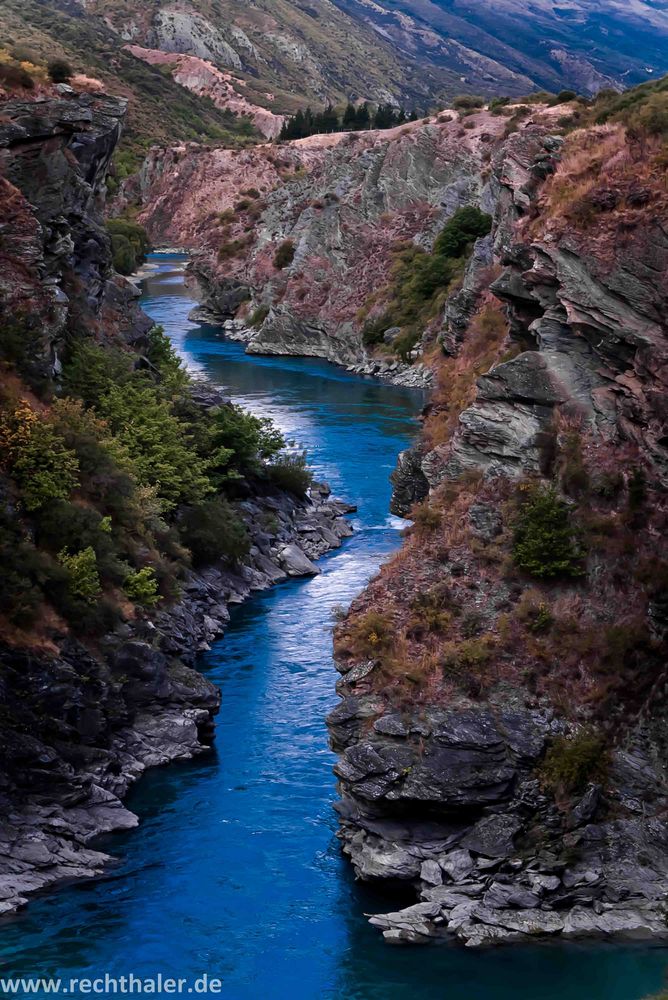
(284, 255)
(258, 316)
(83, 577)
(226, 251)
(60, 71)
(654, 115)
(291, 473)
(465, 226)
(468, 102)
(91, 370)
(36, 457)
(129, 244)
(566, 95)
(544, 543)
(237, 443)
(22, 346)
(369, 635)
(142, 587)
(212, 530)
(12, 75)
(20, 593)
(571, 763)
(421, 280)
(157, 442)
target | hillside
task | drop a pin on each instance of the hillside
(204, 71)
(411, 51)
(159, 110)
(501, 733)
(584, 44)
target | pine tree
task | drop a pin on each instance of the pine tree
(362, 117)
(349, 117)
(330, 119)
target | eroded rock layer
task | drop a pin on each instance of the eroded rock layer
(501, 731)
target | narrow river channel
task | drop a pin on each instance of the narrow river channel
(235, 869)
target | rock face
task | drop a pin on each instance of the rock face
(448, 726)
(82, 729)
(54, 155)
(338, 205)
(206, 80)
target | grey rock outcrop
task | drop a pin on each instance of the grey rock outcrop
(83, 729)
(54, 157)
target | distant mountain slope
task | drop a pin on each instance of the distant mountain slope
(586, 44)
(310, 49)
(408, 50)
(159, 110)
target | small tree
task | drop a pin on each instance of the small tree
(142, 587)
(212, 530)
(544, 543)
(36, 457)
(84, 579)
(60, 71)
(285, 255)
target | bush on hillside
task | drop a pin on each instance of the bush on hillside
(91, 370)
(13, 75)
(129, 245)
(156, 441)
(467, 102)
(570, 764)
(83, 577)
(285, 255)
(60, 71)
(36, 456)
(142, 587)
(544, 544)
(466, 225)
(291, 473)
(212, 530)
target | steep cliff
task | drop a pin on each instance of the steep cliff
(299, 242)
(54, 157)
(501, 733)
(103, 609)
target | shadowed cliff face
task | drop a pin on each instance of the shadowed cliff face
(500, 734)
(83, 718)
(342, 203)
(54, 156)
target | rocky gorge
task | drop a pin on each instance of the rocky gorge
(82, 719)
(338, 205)
(500, 735)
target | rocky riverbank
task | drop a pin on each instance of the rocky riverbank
(85, 727)
(501, 732)
(85, 711)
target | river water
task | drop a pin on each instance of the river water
(235, 870)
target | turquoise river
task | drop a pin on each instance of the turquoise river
(235, 869)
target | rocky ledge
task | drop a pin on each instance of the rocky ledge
(448, 802)
(85, 727)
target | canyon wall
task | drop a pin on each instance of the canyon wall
(85, 713)
(338, 206)
(501, 731)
